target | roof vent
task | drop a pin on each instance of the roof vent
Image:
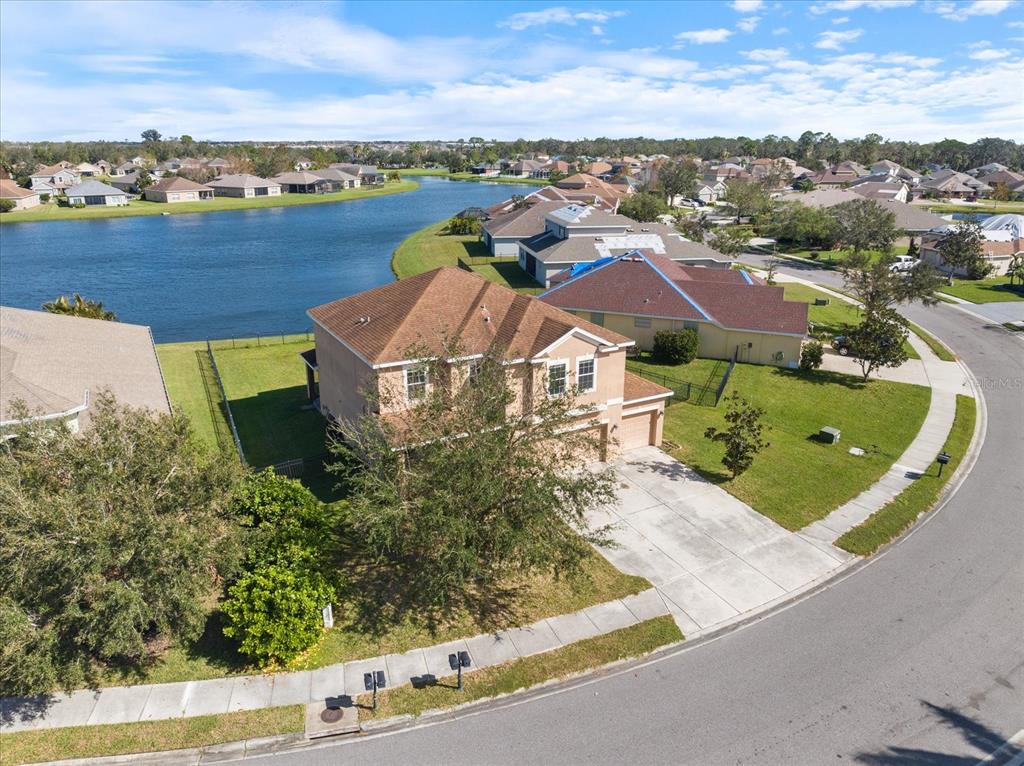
(363, 320)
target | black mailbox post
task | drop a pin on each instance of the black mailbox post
(458, 661)
(942, 459)
(372, 682)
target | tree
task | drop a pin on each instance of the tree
(865, 225)
(676, 346)
(643, 207)
(748, 198)
(6, 205)
(913, 250)
(730, 241)
(878, 341)
(79, 307)
(878, 287)
(677, 178)
(469, 485)
(803, 226)
(961, 250)
(108, 539)
(742, 438)
(693, 227)
(151, 135)
(144, 180)
(1015, 269)
(811, 356)
(519, 202)
(461, 225)
(1001, 192)
(771, 265)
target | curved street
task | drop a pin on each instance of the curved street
(916, 658)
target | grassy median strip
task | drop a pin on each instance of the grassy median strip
(891, 520)
(527, 671)
(148, 736)
(933, 343)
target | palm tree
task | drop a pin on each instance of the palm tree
(79, 307)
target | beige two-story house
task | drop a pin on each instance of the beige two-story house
(363, 344)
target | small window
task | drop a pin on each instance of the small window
(638, 322)
(597, 317)
(586, 374)
(688, 325)
(415, 383)
(556, 379)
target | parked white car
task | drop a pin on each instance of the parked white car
(903, 263)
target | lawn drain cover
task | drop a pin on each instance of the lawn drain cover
(332, 715)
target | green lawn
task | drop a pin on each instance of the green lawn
(430, 248)
(798, 480)
(525, 672)
(988, 206)
(412, 172)
(54, 212)
(834, 258)
(991, 290)
(499, 179)
(148, 736)
(183, 365)
(887, 523)
(266, 389)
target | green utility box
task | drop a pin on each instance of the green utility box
(829, 435)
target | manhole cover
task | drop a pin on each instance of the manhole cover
(332, 715)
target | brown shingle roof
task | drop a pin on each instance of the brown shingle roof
(382, 324)
(177, 183)
(524, 222)
(10, 190)
(635, 387)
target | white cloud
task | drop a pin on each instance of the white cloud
(963, 11)
(597, 30)
(1015, 24)
(841, 20)
(766, 54)
(989, 54)
(835, 41)
(748, 23)
(780, 31)
(126, 63)
(705, 36)
(556, 15)
(852, 5)
(747, 6)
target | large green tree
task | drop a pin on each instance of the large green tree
(803, 226)
(961, 251)
(643, 207)
(878, 341)
(108, 539)
(879, 287)
(470, 486)
(748, 198)
(676, 178)
(863, 224)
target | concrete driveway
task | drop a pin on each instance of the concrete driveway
(712, 557)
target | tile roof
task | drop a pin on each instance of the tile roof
(652, 285)
(49, 361)
(10, 190)
(382, 324)
(93, 189)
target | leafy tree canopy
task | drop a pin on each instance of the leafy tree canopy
(79, 307)
(643, 207)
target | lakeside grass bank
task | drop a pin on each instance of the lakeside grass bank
(138, 207)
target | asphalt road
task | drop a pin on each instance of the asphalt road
(916, 658)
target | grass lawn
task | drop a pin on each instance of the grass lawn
(499, 179)
(148, 736)
(525, 672)
(887, 523)
(988, 206)
(183, 365)
(834, 258)
(937, 346)
(429, 248)
(798, 480)
(54, 212)
(412, 172)
(991, 290)
(266, 389)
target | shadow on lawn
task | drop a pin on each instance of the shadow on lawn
(823, 378)
(278, 425)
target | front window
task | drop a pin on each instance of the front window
(415, 383)
(556, 379)
(586, 374)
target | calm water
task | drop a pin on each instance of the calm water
(230, 274)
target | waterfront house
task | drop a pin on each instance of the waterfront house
(96, 193)
(734, 313)
(950, 184)
(244, 185)
(303, 182)
(87, 170)
(503, 233)
(362, 344)
(22, 198)
(129, 182)
(177, 189)
(588, 184)
(367, 174)
(576, 235)
(56, 365)
(338, 178)
(54, 179)
(124, 168)
(553, 194)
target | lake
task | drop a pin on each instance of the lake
(228, 274)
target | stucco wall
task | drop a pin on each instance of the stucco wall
(342, 377)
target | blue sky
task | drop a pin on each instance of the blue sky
(918, 70)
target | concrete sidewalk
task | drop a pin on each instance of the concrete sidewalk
(148, 702)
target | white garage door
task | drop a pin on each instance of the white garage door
(635, 430)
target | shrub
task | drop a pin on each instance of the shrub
(811, 356)
(460, 225)
(6, 205)
(815, 255)
(274, 612)
(44, 197)
(978, 269)
(676, 346)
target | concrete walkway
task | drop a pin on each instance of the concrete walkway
(712, 557)
(148, 702)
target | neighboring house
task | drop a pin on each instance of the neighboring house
(955, 185)
(362, 343)
(724, 172)
(503, 233)
(577, 235)
(734, 313)
(485, 169)
(54, 179)
(339, 178)
(1002, 239)
(599, 168)
(303, 182)
(218, 165)
(1007, 177)
(127, 183)
(56, 365)
(840, 175)
(895, 171)
(367, 174)
(909, 218)
(550, 168)
(103, 166)
(524, 168)
(244, 185)
(882, 190)
(984, 170)
(588, 184)
(96, 193)
(709, 193)
(173, 164)
(22, 198)
(124, 168)
(553, 194)
(87, 169)
(304, 163)
(140, 161)
(177, 189)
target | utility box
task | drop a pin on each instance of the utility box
(821, 301)
(828, 435)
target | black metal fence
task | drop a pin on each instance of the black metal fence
(224, 399)
(275, 339)
(705, 394)
(302, 466)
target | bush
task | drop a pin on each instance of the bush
(274, 612)
(815, 255)
(6, 205)
(978, 269)
(460, 225)
(811, 356)
(44, 197)
(676, 346)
